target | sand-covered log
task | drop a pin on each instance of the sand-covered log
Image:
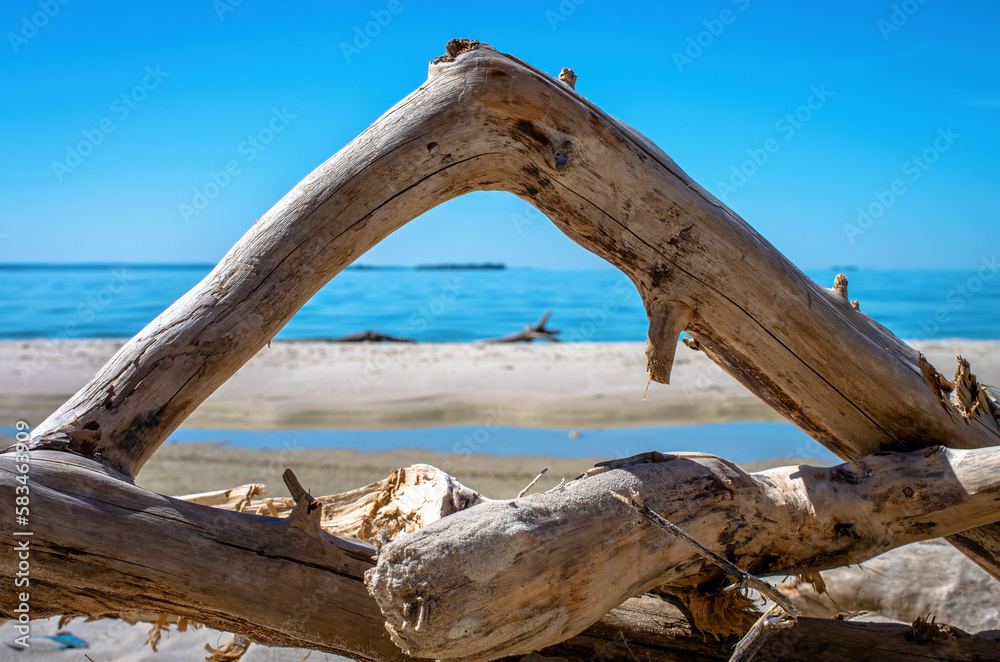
(509, 577)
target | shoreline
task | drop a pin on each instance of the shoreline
(192, 467)
(321, 384)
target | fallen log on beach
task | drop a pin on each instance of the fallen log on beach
(530, 332)
(510, 577)
(371, 336)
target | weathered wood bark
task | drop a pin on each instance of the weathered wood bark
(483, 121)
(101, 545)
(646, 629)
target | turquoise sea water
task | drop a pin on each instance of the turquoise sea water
(67, 302)
(464, 305)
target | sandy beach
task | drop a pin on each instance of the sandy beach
(316, 384)
(313, 384)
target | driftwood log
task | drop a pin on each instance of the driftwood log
(510, 577)
(530, 333)
(371, 336)
(487, 121)
(101, 545)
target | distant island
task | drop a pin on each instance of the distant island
(490, 266)
(485, 265)
(374, 267)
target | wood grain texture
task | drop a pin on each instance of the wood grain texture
(930, 577)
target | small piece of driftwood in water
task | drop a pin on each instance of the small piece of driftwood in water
(536, 331)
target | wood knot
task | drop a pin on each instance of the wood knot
(562, 154)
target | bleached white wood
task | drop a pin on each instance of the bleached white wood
(487, 121)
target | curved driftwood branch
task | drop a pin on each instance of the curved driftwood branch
(487, 121)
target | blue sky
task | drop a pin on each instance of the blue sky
(890, 107)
